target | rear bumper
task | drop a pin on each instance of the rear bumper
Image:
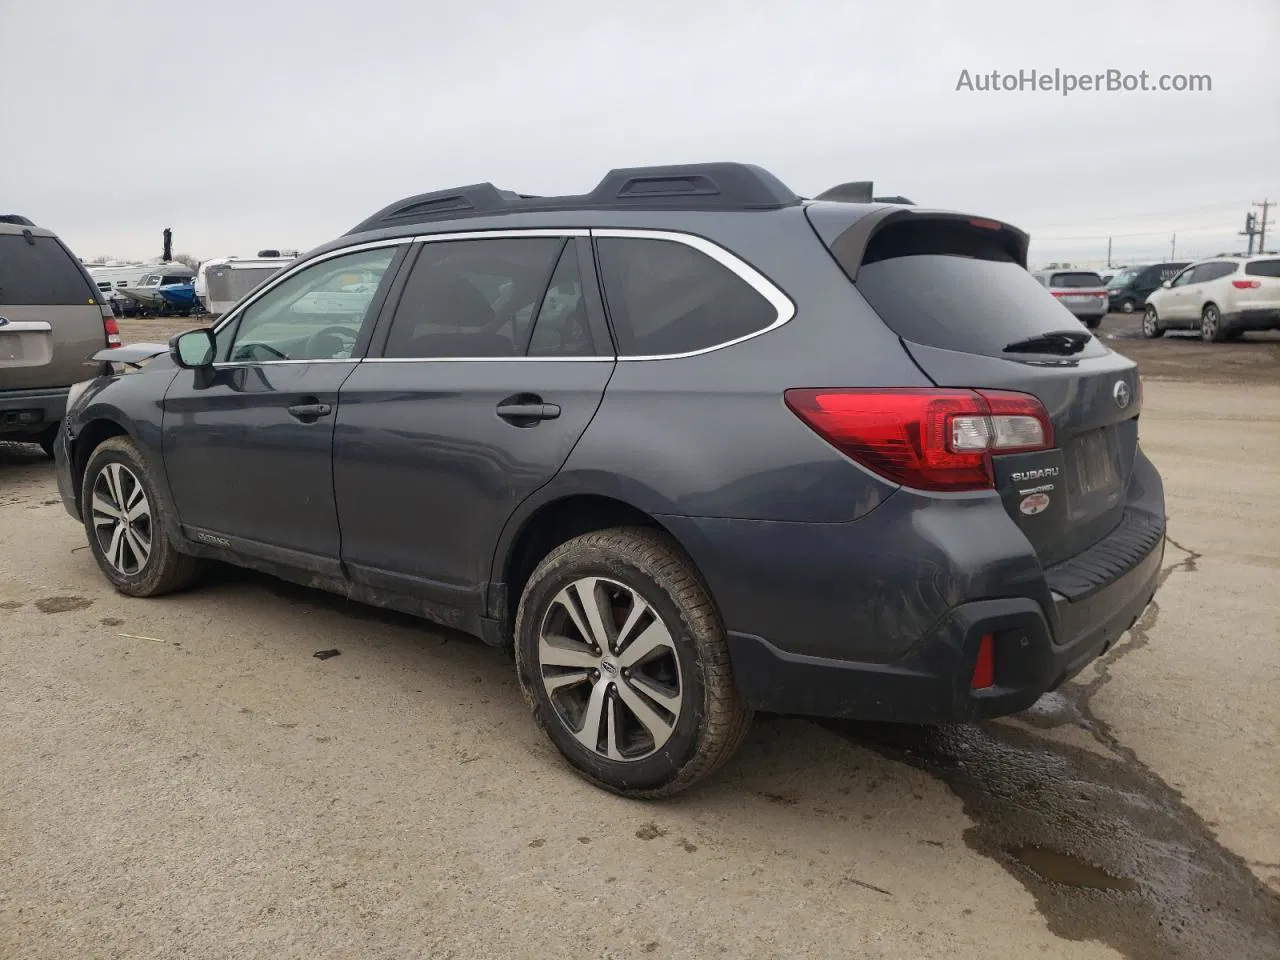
(881, 618)
(1268, 319)
(931, 685)
(29, 412)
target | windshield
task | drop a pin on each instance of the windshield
(1123, 277)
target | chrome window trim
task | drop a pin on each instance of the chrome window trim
(503, 234)
(783, 304)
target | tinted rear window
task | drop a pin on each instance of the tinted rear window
(1263, 268)
(973, 297)
(668, 298)
(40, 274)
(1079, 279)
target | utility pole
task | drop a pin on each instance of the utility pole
(1262, 230)
(1108, 253)
(1173, 246)
(1250, 229)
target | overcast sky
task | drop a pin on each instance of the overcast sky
(245, 125)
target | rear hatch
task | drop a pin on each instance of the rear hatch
(53, 320)
(956, 291)
(1259, 288)
(1080, 291)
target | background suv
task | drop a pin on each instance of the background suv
(52, 320)
(1222, 298)
(1129, 287)
(691, 445)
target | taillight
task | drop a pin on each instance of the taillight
(984, 667)
(113, 330)
(928, 439)
(1246, 284)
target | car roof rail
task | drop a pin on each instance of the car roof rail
(15, 219)
(693, 186)
(858, 191)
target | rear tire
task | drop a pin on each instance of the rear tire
(1093, 323)
(1151, 328)
(612, 625)
(1127, 306)
(125, 518)
(1211, 324)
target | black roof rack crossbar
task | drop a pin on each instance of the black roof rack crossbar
(694, 186)
(858, 191)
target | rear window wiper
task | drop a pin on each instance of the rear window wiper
(1064, 342)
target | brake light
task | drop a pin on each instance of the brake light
(933, 439)
(986, 224)
(113, 331)
(1246, 284)
(984, 668)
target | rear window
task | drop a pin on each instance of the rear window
(1263, 268)
(958, 288)
(40, 274)
(1077, 279)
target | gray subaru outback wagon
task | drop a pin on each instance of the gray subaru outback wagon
(689, 444)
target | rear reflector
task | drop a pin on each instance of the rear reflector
(984, 668)
(931, 439)
(1246, 284)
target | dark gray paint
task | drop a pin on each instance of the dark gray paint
(414, 492)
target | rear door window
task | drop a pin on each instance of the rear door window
(472, 298)
(945, 284)
(40, 273)
(665, 298)
(1075, 280)
(1263, 268)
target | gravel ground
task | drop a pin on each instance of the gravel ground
(183, 778)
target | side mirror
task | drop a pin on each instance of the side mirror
(193, 349)
(1167, 284)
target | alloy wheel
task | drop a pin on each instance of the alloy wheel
(609, 667)
(1209, 324)
(122, 519)
(1127, 306)
(1149, 323)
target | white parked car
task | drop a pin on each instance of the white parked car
(1222, 298)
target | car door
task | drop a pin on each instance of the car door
(248, 442)
(1175, 309)
(1205, 290)
(493, 363)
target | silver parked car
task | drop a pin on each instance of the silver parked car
(1080, 291)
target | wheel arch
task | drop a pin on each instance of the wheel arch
(546, 527)
(88, 438)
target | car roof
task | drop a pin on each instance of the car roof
(10, 228)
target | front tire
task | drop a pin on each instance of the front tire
(1126, 306)
(125, 520)
(1211, 324)
(1151, 328)
(622, 656)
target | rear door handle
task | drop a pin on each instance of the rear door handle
(527, 410)
(310, 412)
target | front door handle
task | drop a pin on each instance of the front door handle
(310, 412)
(525, 410)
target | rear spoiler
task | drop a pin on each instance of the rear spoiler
(134, 355)
(849, 243)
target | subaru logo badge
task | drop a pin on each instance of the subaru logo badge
(1122, 394)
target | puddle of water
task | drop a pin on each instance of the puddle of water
(1109, 851)
(1058, 867)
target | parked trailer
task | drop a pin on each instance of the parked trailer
(223, 282)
